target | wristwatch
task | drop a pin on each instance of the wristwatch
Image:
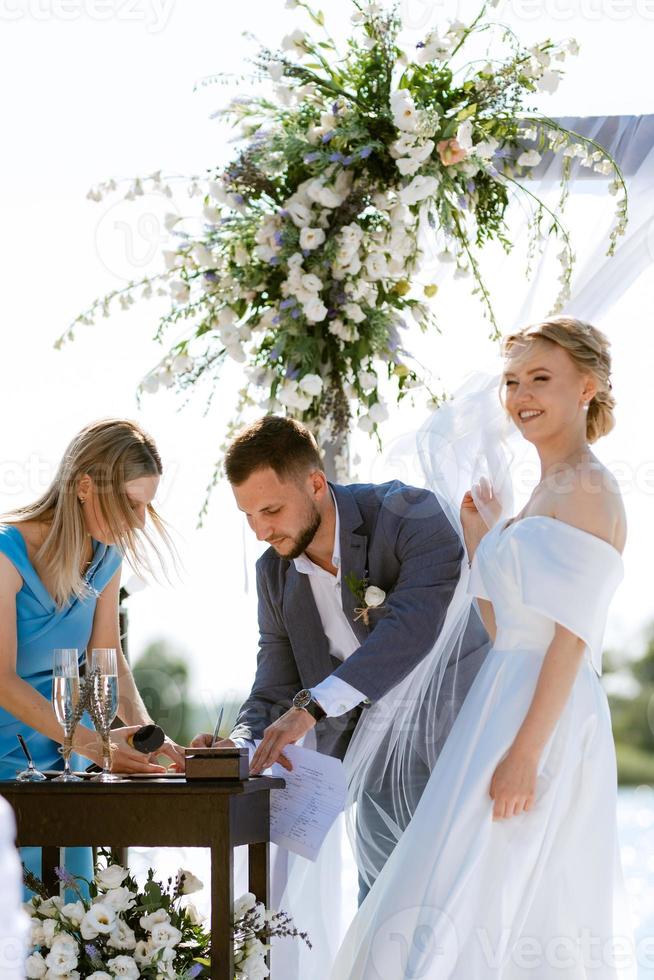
(305, 699)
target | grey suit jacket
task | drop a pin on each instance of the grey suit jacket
(397, 538)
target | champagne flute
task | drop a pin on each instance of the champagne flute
(104, 671)
(65, 695)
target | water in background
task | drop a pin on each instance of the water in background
(636, 828)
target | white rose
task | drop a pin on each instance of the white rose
(299, 213)
(529, 158)
(51, 906)
(365, 423)
(310, 384)
(99, 975)
(62, 958)
(122, 937)
(378, 412)
(402, 145)
(243, 905)
(193, 915)
(315, 310)
(354, 312)
(124, 966)
(311, 238)
(188, 881)
(352, 234)
(419, 188)
(36, 933)
(74, 911)
(374, 596)
(164, 935)
(48, 931)
(62, 941)
(345, 331)
(35, 967)
(99, 919)
(368, 380)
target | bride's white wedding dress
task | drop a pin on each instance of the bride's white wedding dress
(539, 895)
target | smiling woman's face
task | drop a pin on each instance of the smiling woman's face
(140, 493)
(543, 390)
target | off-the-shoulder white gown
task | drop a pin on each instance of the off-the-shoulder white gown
(539, 895)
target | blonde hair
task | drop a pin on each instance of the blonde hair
(589, 348)
(112, 452)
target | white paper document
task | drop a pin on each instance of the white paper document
(302, 813)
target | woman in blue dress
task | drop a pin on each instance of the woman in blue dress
(60, 567)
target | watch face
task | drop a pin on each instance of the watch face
(302, 698)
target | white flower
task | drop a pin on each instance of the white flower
(51, 906)
(74, 911)
(124, 966)
(170, 220)
(434, 49)
(464, 135)
(181, 364)
(164, 935)
(549, 81)
(298, 212)
(573, 46)
(35, 967)
(368, 380)
(312, 283)
(376, 266)
(311, 237)
(236, 352)
(99, 919)
(180, 292)
(172, 260)
(48, 932)
(241, 256)
(529, 158)
(243, 905)
(405, 114)
(122, 937)
(486, 148)
(422, 152)
(143, 952)
(604, 167)
(275, 70)
(295, 42)
(194, 916)
(373, 595)
(202, 255)
(99, 975)
(407, 166)
(315, 310)
(354, 312)
(365, 423)
(311, 384)
(419, 188)
(62, 957)
(211, 214)
(345, 331)
(378, 412)
(351, 235)
(189, 882)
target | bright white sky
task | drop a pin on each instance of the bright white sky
(90, 95)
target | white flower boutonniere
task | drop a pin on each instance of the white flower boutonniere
(370, 597)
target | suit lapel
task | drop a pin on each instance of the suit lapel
(354, 555)
(305, 628)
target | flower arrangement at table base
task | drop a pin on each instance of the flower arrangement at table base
(156, 933)
(308, 262)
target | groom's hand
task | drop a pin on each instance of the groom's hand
(287, 729)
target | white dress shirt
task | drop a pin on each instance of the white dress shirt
(334, 695)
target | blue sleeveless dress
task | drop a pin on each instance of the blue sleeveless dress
(41, 628)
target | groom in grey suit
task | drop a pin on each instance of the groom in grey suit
(322, 661)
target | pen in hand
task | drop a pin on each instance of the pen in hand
(216, 732)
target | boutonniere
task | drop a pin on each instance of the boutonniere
(369, 597)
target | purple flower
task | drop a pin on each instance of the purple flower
(336, 157)
(334, 108)
(493, 171)
(306, 251)
(346, 161)
(470, 186)
(276, 351)
(285, 303)
(195, 969)
(275, 260)
(312, 157)
(64, 875)
(461, 201)
(295, 314)
(365, 151)
(277, 319)
(279, 238)
(420, 44)
(328, 136)
(292, 373)
(283, 213)
(211, 276)
(239, 198)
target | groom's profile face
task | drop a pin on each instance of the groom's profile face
(283, 512)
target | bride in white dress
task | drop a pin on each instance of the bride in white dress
(509, 868)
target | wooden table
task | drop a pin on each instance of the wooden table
(157, 813)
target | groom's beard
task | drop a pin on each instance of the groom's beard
(300, 543)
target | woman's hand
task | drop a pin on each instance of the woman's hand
(175, 753)
(513, 786)
(124, 758)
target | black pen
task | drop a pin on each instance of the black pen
(216, 730)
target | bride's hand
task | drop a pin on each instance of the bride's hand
(513, 786)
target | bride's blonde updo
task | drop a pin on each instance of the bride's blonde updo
(589, 348)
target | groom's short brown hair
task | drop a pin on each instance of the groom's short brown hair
(284, 445)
